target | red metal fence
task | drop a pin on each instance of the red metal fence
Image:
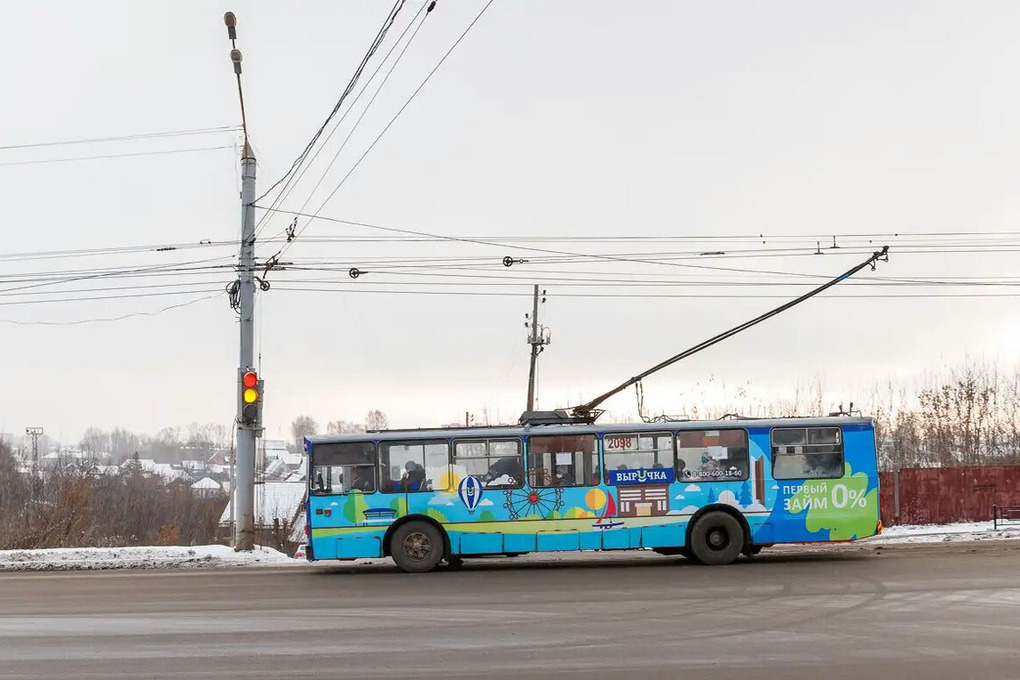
(943, 495)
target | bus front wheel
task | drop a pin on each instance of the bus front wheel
(417, 547)
(717, 538)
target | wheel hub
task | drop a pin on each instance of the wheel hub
(417, 546)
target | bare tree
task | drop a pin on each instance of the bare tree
(94, 441)
(376, 420)
(344, 427)
(303, 426)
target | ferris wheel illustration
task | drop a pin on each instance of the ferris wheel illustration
(541, 502)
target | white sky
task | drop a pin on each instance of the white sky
(788, 119)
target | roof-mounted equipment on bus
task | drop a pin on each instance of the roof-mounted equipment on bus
(589, 412)
(557, 417)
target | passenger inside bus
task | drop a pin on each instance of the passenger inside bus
(507, 469)
(565, 476)
(414, 476)
(363, 479)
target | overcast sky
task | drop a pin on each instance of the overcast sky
(795, 121)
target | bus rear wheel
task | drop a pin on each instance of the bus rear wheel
(417, 547)
(717, 538)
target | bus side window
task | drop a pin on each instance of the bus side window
(626, 452)
(339, 468)
(496, 463)
(562, 460)
(712, 455)
(807, 453)
(414, 466)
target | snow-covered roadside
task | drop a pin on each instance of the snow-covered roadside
(145, 557)
(944, 533)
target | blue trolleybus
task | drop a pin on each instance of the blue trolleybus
(708, 490)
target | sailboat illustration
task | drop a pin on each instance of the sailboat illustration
(606, 519)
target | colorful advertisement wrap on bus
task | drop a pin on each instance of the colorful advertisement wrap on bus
(790, 484)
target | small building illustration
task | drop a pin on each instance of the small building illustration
(649, 500)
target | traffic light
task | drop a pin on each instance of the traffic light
(251, 398)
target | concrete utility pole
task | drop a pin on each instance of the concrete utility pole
(35, 433)
(248, 428)
(247, 433)
(538, 339)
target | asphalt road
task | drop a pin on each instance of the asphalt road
(928, 613)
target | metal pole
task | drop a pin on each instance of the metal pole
(534, 342)
(244, 488)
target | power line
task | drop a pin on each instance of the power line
(95, 289)
(354, 128)
(392, 120)
(111, 297)
(534, 249)
(79, 322)
(380, 36)
(706, 296)
(922, 246)
(623, 283)
(93, 274)
(118, 155)
(124, 138)
(111, 250)
(291, 185)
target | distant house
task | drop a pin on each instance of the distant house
(275, 447)
(284, 466)
(206, 488)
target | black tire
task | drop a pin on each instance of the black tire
(417, 547)
(667, 550)
(717, 538)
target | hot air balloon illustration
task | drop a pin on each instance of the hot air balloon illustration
(470, 492)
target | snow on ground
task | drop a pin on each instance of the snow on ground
(170, 557)
(944, 533)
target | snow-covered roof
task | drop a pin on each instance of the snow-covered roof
(164, 470)
(206, 483)
(275, 468)
(292, 459)
(274, 445)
